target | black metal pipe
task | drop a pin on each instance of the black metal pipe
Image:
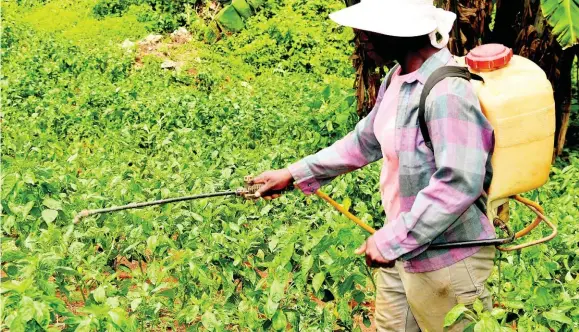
(478, 243)
(86, 213)
(475, 243)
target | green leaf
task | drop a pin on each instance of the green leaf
(454, 314)
(542, 297)
(318, 280)
(279, 321)
(347, 203)
(367, 321)
(120, 318)
(563, 16)
(35, 310)
(26, 309)
(329, 126)
(347, 285)
(197, 217)
(18, 324)
(276, 290)
(344, 311)
(18, 286)
(212, 33)
(65, 270)
(29, 178)
(514, 304)
(271, 307)
(293, 318)
(242, 7)
(285, 255)
(234, 227)
(266, 209)
(188, 314)
(209, 320)
(307, 263)
(52, 203)
(255, 4)
(273, 243)
(49, 215)
(85, 324)
(478, 306)
(498, 313)
(557, 316)
(12, 255)
(7, 183)
(135, 303)
(152, 242)
(99, 294)
(229, 19)
(113, 302)
(487, 324)
(26, 209)
(8, 223)
(327, 92)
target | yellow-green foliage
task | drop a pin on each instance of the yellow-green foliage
(73, 20)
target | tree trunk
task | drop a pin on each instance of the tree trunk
(563, 96)
(368, 77)
(473, 23)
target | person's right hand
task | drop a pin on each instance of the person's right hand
(273, 183)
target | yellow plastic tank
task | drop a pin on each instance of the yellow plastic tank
(517, 99)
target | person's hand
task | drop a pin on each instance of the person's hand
(373, 256)
(273, 183)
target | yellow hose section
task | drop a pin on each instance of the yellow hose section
(371, 230)
(537, 220)
(340, 208)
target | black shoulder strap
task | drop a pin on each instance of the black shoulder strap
(437, 76)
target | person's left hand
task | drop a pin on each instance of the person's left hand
(373, 256)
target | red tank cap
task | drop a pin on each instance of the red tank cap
(489, 57)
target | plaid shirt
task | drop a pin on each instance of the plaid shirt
(437, 190)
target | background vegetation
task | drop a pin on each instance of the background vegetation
(87, 123)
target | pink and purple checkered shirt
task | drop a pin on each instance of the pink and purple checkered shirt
(428, 196)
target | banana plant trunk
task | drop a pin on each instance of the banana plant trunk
(518, 24)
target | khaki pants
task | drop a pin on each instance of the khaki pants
(409, 302)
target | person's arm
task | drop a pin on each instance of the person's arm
(360, 147)
(357, 149)
(462, 139)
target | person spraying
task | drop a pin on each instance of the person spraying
(429, 193)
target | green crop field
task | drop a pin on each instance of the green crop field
(91, 119)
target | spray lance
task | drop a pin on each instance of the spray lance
(248, 192)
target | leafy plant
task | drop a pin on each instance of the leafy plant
(111, 7)
(87, 124)
(480, 320)
(563, 16)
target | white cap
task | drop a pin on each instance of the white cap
(400, 18)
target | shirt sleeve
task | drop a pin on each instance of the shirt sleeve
(357, 149)
(462, 139)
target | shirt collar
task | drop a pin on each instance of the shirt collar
(435, 61)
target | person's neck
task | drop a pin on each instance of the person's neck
(413, 60)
